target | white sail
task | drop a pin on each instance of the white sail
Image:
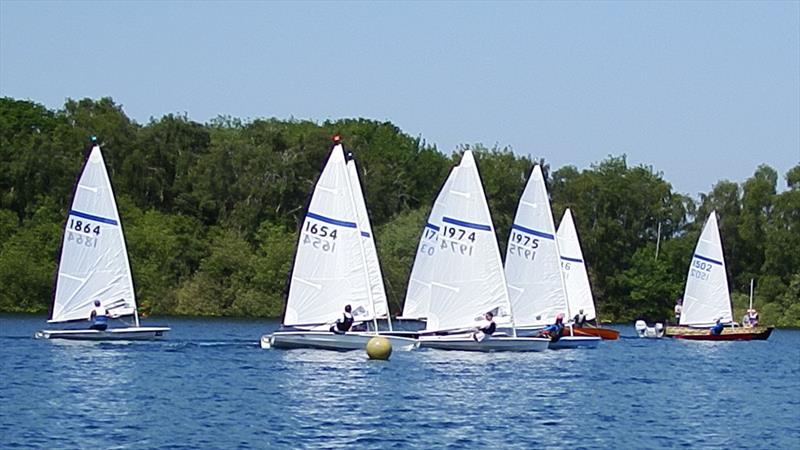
(368, 241)
(707, 297)
(573, 268)
(330, 267)
(94, 260)
(533, 267)
(467, 275)
(418, 294)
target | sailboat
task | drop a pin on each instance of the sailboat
(706, 298)
(94, 264)
(418, 293)
(576, 279)
(335, 265)
(533, 267)
(466, 273)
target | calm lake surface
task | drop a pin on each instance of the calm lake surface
(209, 385)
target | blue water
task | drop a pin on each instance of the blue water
(209, 385)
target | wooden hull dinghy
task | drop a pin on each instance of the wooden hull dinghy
(606, 334)
(706, 299)
(728, 334)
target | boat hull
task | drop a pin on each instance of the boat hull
(566, 342)
(607, 334)
(111, 334)
(326, 340)
(728, 334)
(489, 344)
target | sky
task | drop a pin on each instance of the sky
(701, 91)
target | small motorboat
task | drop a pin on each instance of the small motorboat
(654, 332)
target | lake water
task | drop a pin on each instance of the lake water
(209, 385)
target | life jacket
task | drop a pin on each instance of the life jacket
(345, 322)
(100, 314)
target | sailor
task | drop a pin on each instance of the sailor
(716, 330)
(579, 319)
(487, 330)
(343, 323)
(678, 310)
(554, 331)
(752, 317)
(99, 317)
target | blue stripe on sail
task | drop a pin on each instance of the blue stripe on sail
(707, 259)
(91, 217)
(365, 234)
(533, 232)
(461, 223)
(341, 223)
(432, 226)
(576, 260)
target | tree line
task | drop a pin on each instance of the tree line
(211, 211)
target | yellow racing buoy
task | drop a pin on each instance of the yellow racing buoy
(379, 348)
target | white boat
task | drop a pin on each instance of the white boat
(94, 264)
(418, 293)
(329, 341)
(533, 266)
(335, 265)
(466, 272)
(645, 331)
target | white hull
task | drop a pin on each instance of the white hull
(488, 344)
(327, 340)
(111, 334)
(576, 342)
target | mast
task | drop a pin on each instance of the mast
(337, 140)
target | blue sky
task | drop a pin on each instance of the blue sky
(702, 91)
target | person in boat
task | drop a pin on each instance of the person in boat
(554, 331)
(99, 317)
(344, 323)
(678, 310)
(752, 317)
(716, 330)
(580, 319)
(487, 330)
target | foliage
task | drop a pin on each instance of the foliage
(210, 211)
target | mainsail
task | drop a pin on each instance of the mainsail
(94, 261)
(330, 268)
(573, 268)
(533, 268)
(707, 298)
(418, 294)
(467, 276)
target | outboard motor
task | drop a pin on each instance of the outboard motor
(659, 330)
(641, 328)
